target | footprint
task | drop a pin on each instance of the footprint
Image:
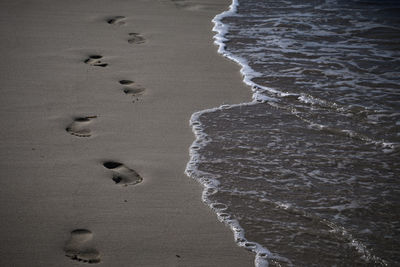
(179, 3)
(95, 60)
(78, 126)
(122, 174)
(117, 20)
(189, 5)
(136, 38)
(133, 89)
(78, 247)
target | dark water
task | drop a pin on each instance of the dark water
(312, 176)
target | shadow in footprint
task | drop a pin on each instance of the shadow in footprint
(122, 174)
(117, 20)
(95, 60)
(126, 82)
(136, 38)
(180, 3)
(189, 5)
(133, 89)
(79, 247)
(79, 126)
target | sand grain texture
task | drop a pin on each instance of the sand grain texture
(53, 182)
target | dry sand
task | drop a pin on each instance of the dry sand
(62, 119)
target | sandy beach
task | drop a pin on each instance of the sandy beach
(95, 107)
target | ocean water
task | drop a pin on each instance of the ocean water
(308, 173)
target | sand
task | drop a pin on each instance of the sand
(96, 97)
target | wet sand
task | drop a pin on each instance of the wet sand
(95, 106)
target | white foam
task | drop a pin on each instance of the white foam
(248, 73)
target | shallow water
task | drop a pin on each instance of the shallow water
(309, 177)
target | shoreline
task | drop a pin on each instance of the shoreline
(54, 182)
